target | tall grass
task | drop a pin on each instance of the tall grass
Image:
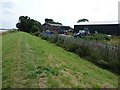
(103, 55)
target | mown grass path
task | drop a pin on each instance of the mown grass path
(28, 61)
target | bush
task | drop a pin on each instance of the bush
(36, 33)
(72, 47)
(53, 39)
(60, 41)
(98, 37)
(83, 51)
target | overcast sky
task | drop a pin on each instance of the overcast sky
(66, 12)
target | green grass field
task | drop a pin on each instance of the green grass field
(28, 61)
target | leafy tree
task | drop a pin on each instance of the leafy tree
(28, 25)
(51, 21)
(82, 20)
(56, 23)
(48, 20)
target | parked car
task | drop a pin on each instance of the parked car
(80, 34)
(47, 33)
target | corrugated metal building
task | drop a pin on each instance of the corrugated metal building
(112, 29)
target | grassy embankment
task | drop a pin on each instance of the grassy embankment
(29, 61)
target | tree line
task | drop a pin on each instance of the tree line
(32, 26)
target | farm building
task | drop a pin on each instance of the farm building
(56, 28)
(112, 29)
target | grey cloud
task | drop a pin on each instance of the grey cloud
(7, 12)
(7, 4)
(7, 7)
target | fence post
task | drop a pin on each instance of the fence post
(106, 47)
